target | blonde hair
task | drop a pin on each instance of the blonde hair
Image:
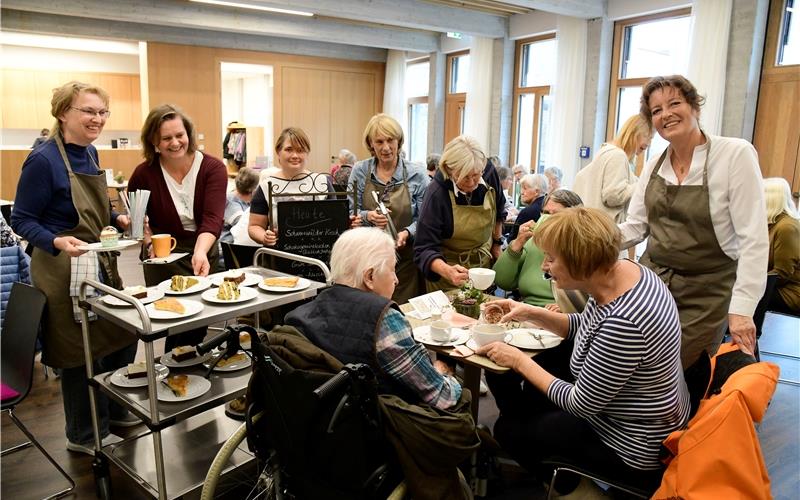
(63, 97)
(462, 156)
(778, 196)
(297, 138)
(151, 130)
(634, 128)
(359, 250)
(383, 124)
(586, 239)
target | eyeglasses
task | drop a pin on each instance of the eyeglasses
(88, 112)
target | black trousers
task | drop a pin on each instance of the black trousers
(531, 428)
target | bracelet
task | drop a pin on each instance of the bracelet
(498, 241)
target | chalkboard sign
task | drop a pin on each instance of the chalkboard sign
(310, 228)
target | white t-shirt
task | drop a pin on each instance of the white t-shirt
(183, 193)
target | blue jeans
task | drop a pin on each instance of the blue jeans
(75, 393)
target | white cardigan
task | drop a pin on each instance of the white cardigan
(607, 183)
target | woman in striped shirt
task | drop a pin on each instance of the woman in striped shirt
(608, 396)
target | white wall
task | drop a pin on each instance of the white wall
(36, 58)
(531, 24)
(621, 9)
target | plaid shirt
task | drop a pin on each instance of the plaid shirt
(407, 362)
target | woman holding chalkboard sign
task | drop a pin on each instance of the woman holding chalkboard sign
(292, 148)
(400, 186)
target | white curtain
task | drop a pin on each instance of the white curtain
(394, 88)
(478, 110)
(708, 58)
(566, 115)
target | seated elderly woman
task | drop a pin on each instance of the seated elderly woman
(373, 331)
(784, 246)
(520, 265)
(607, 396)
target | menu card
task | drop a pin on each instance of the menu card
(430, 302)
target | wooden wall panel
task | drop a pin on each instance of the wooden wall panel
(306, 103)
(352, 98)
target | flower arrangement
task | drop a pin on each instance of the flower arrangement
(467, 300)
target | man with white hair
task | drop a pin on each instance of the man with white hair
(533, 190)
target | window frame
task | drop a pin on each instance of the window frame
(411, 101)
(453, 101)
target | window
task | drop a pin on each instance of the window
(416, 90)
(789, 43)
(645, 47)
(535, 70)
(459, 73)
(456, 96)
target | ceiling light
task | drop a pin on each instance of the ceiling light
(255, 7)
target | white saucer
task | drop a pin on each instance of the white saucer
(250, 279)
(168, 360)
(192, 307)
(245, 294)
(98, 247)
(202, 284)
(457, 336)
(524, 338)
(474, 345)
(239, 365)
(302, 284)
(152, 296)
(120, 377)
(196, 388)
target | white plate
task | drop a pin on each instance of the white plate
(120, 377)
(169, 361)
(302, 284)
(250, 279)
(244, 363)
(98, 247)
(202, 284)
(474, 345)
(152, 296)
(196, 388)
(192, 307)
(524, 338)
(457, 336)
(245, 294)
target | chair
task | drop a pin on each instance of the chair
(237, 256)
(20, 329)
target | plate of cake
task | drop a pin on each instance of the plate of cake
(179, 388)
(232, 363)
(284, 284)
(144, 295)
(183, 356)
(172, 308)
(241, 278)
(184, 285)
(229, 293)
(135, 374)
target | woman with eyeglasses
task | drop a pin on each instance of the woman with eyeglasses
(60, 205)
(400, 186)
(187, 199)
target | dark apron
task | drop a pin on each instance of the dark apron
(684, 252)
(399, 202)
(471, 243)
(62, 345)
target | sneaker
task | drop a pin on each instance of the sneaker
(88, 448)
(129, 420)
(484, 389)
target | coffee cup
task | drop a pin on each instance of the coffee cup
(481, 277)
(484, 334)
(440, 331)
(163, 244)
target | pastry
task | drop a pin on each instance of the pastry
(109, 236)
(282, 281)
(244, 338)
(170, 304)
(235, 278)
(138, 292)
(228, 290)
(178, 384)
(223, 362)
(184, 352)
(137, 370)
(182, 283)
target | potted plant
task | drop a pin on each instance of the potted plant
(467, 300)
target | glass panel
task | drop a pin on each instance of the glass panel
(525, 129)
(544, 133)
(789, 41)
(459, 74)
(417, 79)
(655, 48)
(418, 132)
(628, 105)
(538, 63)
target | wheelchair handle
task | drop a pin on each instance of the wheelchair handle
(332, 385)
(213, 342)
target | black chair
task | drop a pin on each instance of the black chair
(237, 256)
(20, 329)
(560, 464)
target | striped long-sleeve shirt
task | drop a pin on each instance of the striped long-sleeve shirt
(629, 383)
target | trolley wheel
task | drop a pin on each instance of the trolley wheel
(102, 478)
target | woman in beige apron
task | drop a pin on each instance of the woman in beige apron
(76, 191)
(400, 186)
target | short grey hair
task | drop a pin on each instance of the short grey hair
(554, 172)
(565, 198)
(359, 250)
(346, 157)
(461, 157)
(504, 173)
(535, 181)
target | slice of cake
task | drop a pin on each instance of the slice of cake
(138, 292)
(184, 352)
(109, 236)
(137, 370)
(182, 283)
(282, 281)
(228, 290)
(234, 277)
(170, 304)
(244, 338)
(233, 359)
(178, 384)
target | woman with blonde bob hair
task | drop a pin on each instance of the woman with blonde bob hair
(613, 390)
(784, 246)
(462, 216)
(400, 186)
(609, 180)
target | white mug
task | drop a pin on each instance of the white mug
(440, 331)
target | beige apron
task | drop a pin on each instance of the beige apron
(399, 202)
(62, 337)
(471, 243)
(683, 250)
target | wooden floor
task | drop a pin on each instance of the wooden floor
(27, 475)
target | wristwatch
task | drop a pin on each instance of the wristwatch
(497, 241)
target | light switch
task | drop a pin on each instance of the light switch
(200, 137)
(201, 147)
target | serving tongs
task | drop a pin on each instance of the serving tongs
(385, 212)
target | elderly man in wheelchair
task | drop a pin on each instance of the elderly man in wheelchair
(390, 409)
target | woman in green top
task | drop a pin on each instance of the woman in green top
(520, 265)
